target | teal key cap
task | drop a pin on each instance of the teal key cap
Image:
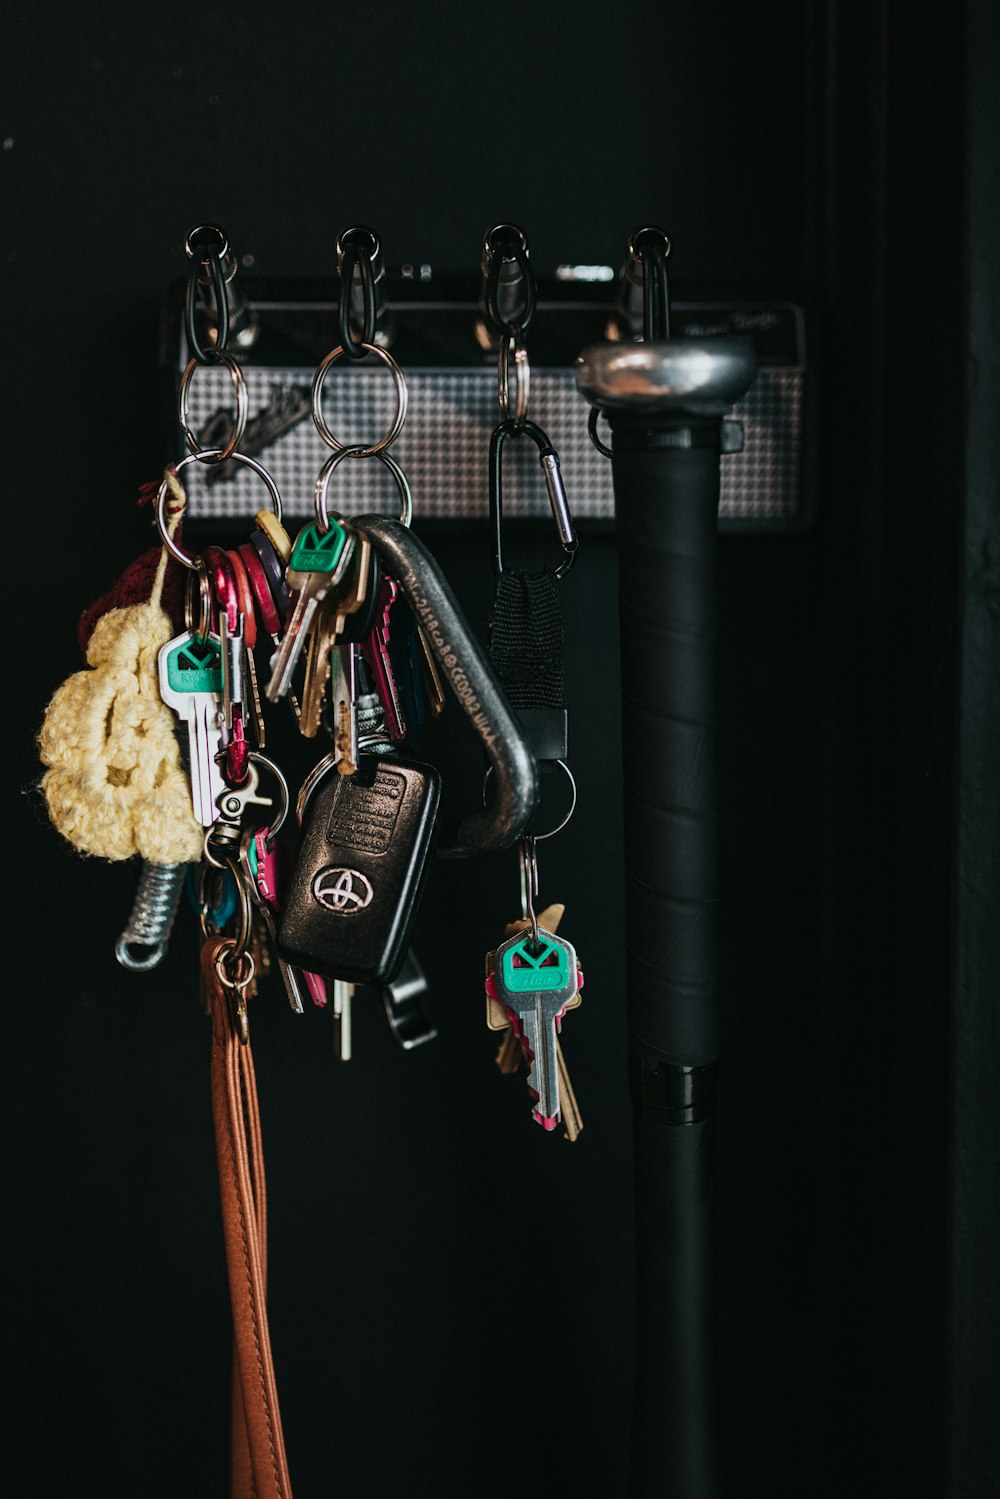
(318, 564)
(535, 981)
(190, 672)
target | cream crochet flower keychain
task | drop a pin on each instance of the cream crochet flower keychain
(115, 785)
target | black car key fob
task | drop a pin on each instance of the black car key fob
(361, 869)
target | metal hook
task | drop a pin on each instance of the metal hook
(508, 278)
(359, 251)
(207, 245)
(643, 296)
(549, 459)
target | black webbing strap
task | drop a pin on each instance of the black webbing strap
(526, 639)
(526, 650)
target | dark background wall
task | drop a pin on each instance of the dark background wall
(793, 148)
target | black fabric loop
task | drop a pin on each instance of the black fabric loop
(526, 639)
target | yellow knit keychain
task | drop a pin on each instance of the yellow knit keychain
(115, 785)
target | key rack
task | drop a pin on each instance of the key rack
(434, 326)
(289, 391)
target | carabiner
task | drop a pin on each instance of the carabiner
(467, 670)
(549, 459)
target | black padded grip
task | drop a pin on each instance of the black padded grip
(667, 501)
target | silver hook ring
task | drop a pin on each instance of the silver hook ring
(513, 343)
(200, 575)
(191, 239)
(396, 426)
(596, 413)
(178, 553)
(228, 861)
(540, 837)
(321, 490)
(321, 769)
(219, 356)
(274, 828)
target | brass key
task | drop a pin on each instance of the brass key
(327, 628)
(572, 1119)
(322, 642)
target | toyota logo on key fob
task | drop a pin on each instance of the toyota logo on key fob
(343, 890)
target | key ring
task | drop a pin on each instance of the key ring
(241, 942)
(274, 827)
(513, 343)
(595, 415)
(217, 356)
(395, 427)
(234, 798)
(322, 486)
(541, 837)
(245, 967)
(200, 577)
(178, 554)
(320, 770)
(549, 459)
(528, 859)
(239, 960)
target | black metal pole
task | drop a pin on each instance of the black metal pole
(665, 401)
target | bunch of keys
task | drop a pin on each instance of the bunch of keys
(532, 980)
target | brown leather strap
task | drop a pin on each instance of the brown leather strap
(260, 1468)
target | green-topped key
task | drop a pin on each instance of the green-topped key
(535, 981)
(317, 551)
(191, 683)
(525, 970)
(318, 563)
(194, 665)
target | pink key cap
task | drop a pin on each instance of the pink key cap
(375, 654)
(273, 872)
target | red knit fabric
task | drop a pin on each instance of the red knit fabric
(136, 584)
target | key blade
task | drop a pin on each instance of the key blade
(572, 1119)
(207, 784)
(343, 693)
(293, 641)
(293, 987)
(343, 993)
(539, 1032)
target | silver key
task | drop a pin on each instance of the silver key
(318, 563)
(536, 983)
(190, 672)
(233, 670)
(343, 993)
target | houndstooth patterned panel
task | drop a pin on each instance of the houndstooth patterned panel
(444, 444)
